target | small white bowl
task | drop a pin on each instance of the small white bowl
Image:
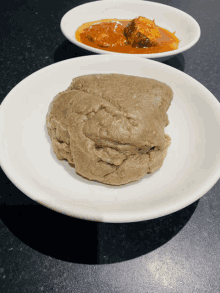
(186, 28)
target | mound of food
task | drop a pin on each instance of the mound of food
(110, 127)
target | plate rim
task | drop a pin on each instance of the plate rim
(112, 217)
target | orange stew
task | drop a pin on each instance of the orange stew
(137, 36)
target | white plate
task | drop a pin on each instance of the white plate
(190, 169)
(186, 27)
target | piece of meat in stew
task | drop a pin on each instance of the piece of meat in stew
(142, 32)
(106, 34)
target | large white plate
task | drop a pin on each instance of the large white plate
(190, 169)
(186, 27)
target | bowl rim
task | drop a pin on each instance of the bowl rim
(149, 56)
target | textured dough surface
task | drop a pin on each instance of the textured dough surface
(110, 127)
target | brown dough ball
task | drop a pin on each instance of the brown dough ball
(111, 126)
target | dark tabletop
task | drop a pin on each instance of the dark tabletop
(44, 251)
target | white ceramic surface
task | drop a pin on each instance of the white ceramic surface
(190, 169)
(186, 27)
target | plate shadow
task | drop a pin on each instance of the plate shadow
(81, 241)
(177, 62)
(67, 50)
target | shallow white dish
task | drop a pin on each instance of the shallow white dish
(190, 169)
(173, 19)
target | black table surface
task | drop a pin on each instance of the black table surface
(44, 251)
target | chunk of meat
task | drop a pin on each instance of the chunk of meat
(142, 32)
(106, 34)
